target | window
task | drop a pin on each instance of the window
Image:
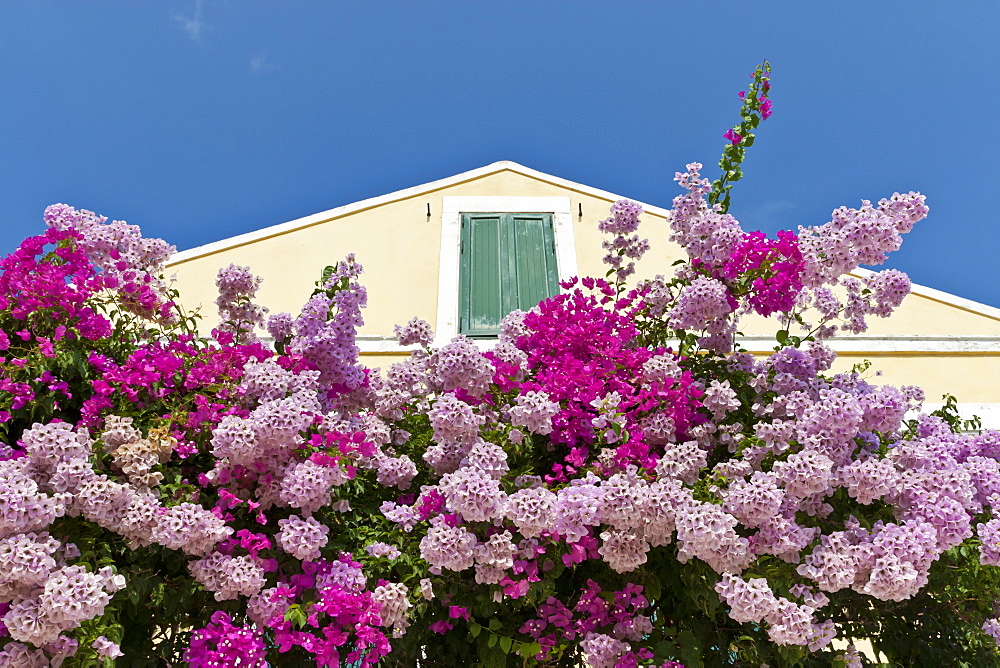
(454, 208)
(508, 262)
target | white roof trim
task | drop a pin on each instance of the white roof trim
(857, 344)
(930, 345)
(943, 297)
(406, 193)
(989, 414)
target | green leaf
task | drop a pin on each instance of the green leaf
(529, 649)
(495, 624)
(653, 588)
(505, 644)
(782, 337)
(690, 649)
(474, 629)
(296, 616)
(492, 642)
(493, 659)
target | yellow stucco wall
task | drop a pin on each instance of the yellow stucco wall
(968, 377)
(399, 246)
(400, 250)
(916, 316)
(395, 243)
(930, 317)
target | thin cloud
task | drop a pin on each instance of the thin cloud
(259, 64)
(193, 25)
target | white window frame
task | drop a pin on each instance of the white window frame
(452, 209)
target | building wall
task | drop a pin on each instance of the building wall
(395, 243)
(399, 248)
(934, 340)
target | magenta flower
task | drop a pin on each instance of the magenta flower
(441, 626)
(733, 137)
(456, 611)
(765, 108)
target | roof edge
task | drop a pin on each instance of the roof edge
(492, 168)
(944, 297)
(406, 193)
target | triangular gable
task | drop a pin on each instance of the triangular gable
(406, 193)
(926, 313)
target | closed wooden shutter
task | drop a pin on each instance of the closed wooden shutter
(507, 262)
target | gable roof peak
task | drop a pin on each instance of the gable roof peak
(405, 193)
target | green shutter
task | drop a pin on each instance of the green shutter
(507, 262)
(481, 275)
(533, 254)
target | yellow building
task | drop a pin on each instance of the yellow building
(415, 246)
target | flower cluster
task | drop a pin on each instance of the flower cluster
(129, 263)
(415, 331)
(794, 271)
(222, 643)
(624, 221)
(325, 330)
(772, 268)
(341, 609)
(605, 623)
(239, 315)
(607, 477)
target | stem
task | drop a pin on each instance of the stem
(734, 154)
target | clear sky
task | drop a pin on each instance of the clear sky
(202, 119)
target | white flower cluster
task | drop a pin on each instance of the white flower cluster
(303, 538)
(227, 576)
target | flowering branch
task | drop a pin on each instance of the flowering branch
(756, 107)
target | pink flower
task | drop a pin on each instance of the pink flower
(441, 627)
(733, 137)
(106, 649)
(765, 108)
(456, 611)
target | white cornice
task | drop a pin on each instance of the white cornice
(884, 345)
(889, 345)
(989, 414)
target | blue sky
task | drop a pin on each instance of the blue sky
(202, 119)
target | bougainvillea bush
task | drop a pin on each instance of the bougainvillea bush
(613, 482)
